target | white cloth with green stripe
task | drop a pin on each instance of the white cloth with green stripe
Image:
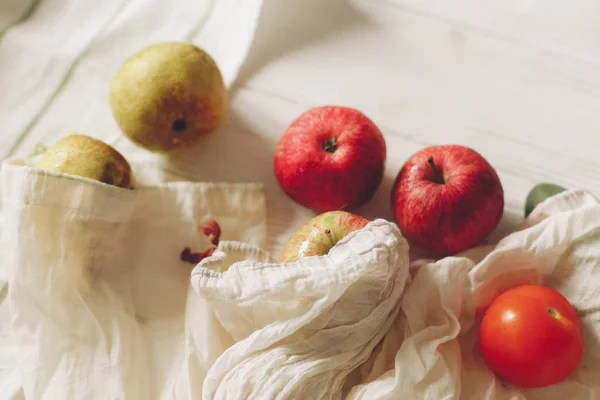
(58, 59)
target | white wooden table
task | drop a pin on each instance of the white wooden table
(517, 80)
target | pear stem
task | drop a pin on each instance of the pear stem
(179, 125)
(437, 175)
(328, 233)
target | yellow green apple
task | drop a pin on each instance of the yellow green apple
(320, 234)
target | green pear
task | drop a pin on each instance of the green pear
(320, 234)
(168, 96)
(84, 156)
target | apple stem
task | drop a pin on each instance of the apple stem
(328, 233)
(330, 145)
(437, 176)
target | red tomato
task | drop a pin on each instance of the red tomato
(530, 336)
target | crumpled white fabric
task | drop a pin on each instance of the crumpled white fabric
(100, 306)
(352, 324)
(431, 350)
(312, 329)
(301, 328)
(97, 290)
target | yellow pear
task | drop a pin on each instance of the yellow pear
(167, 96)
(82, 155)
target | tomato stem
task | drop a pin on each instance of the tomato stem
(553, 312)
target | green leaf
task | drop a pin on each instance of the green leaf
(539, 193)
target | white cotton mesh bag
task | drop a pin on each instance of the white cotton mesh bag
(300, 329)
(98, 289)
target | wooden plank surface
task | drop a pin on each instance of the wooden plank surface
(516, 80)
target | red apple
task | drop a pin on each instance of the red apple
(320, 234)
(447, 199)
(330, 158)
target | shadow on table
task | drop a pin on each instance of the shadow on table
(287, 26)
(235, 153)
(379, 206)
(507, 225)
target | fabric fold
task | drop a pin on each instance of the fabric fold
(301, 328)
(438, 356)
